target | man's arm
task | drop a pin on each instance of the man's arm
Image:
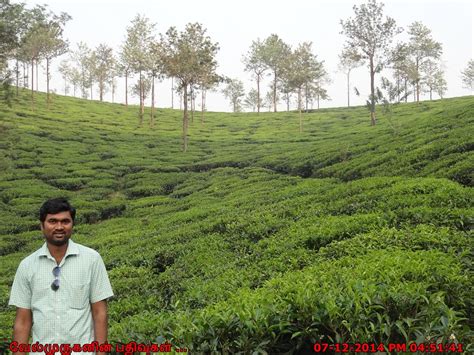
(99, 315)
(22, 326)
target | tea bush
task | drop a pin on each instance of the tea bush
(259, 238)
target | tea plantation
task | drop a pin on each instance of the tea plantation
(259, 238)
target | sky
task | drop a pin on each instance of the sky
(234, 24)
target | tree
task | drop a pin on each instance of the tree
(253, 100)
(468, 75)
(156, 69)
(274, 54)
(208, 81)
(403, 68)
(370, 36)
(433, 78)
(82, 58)
(75, 77)
(53, 44)
(422, 48)
(234, 91)
(268, 101)
(301, 70)
(349, 60)
(136, 52)
(104, 67)
(255, 64)
(65, 71)
(91, 63)
(189, 56)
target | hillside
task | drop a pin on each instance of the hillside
(259, 237)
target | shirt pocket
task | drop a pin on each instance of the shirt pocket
(79, 296)
(40, 297)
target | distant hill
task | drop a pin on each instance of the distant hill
(259, 238)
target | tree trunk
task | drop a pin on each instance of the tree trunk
(101, 89)
(140, 90)
(348, 89)
(372, 92)
(37, 81)
(288, 102)
(17, 77)
(126, 88)
(398, 86)
(299, 107)
(25, 74)
(185, 118)
(152, 112)
(431, 93)
(306, 97)
(203, 104)
(406, 90)
(32, 84)
(417, 81)
(113, 89)
(275, 93)
(92, 88)
(192, 104)
(65, 86)
(47, 84)
(258, 94)
(172, 92)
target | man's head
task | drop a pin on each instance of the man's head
(57, 219)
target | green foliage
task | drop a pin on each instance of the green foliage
(257, 239)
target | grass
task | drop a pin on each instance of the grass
(259, 238)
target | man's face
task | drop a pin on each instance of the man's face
(57, 228)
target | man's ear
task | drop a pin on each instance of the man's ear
(41, 226)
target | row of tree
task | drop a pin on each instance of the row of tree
(28, 37)
(188, 58)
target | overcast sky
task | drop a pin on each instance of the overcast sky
(234, 24)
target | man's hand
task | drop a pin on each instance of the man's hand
(22, 326)
(99, 314)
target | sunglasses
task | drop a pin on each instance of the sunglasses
(55, 284)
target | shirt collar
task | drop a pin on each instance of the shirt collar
(72, 249)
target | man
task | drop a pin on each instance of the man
(60, 290)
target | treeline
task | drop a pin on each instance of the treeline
(188, 57)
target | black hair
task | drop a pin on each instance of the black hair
(56, 205)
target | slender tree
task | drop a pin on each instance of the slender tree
(81, 56)
(252, 100)
(274, 53)
(189, 56)
(467, 75)
(255, 64)
(53, 44)
(349, 60)
(302, 69)
(136, 52)
(156, 70)
(104, 67)
(65, 71)
(370, 35)
(422, 48)
(234, 91)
